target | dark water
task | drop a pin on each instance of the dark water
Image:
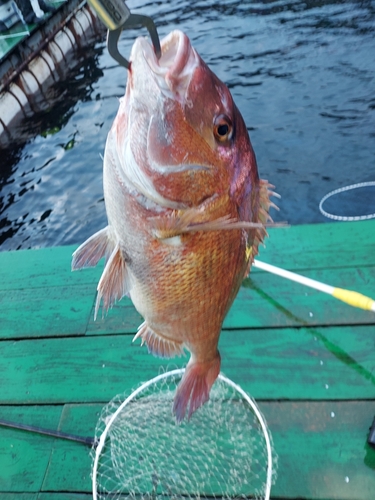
(301, 72)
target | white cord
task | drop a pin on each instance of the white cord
(341, 190)
(303, 280)
(180, 371)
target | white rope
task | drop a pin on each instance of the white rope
(298, 278)
(346, 217)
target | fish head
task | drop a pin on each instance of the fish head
(184, 130)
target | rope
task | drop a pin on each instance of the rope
(348, 217)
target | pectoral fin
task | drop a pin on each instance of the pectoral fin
(190, 221)
(114, 282)
(92, 250)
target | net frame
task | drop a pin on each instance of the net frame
(173, 373)
(346, 218)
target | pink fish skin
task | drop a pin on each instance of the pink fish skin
(186, 209)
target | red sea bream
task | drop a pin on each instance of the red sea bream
(186, 209)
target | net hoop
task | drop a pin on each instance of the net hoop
(346, 218)
(180, 372)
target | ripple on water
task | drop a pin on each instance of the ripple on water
(302, 74)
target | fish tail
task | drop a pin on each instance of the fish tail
(194, 388)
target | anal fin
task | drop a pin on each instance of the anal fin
(157, 345)
(114, 282)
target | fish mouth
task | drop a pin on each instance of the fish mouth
(176, 66)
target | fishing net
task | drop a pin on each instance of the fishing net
(223, 452)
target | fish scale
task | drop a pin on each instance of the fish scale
(186, 209)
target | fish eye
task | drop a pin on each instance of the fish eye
(223, 128)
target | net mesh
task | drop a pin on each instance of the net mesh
(221, 452)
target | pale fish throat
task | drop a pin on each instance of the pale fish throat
(175, 68)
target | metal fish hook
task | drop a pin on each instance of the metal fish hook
(117, 17)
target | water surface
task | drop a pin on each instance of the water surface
(301, 72)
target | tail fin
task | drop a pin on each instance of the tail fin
(194, 388)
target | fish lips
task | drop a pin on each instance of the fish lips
(174, 70)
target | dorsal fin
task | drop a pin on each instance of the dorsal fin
(114, 282)
(92, 250)
(265, 191)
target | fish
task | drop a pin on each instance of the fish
(186, 209)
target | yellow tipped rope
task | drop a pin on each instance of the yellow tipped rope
(354, 299)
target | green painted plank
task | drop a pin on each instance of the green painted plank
(24, 456)
(320, 246)
(44, 267)
(8, 43)
(19, 496)
(298, 363)
(322, 449)
(121, 318)
(45, 312)
(266, 300)
(39, 308)
(63, 496)
(318, 444)
(73, 459)
(306, 363)
(314, 246)
(263, 301)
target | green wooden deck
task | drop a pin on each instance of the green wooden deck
(307, 359)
